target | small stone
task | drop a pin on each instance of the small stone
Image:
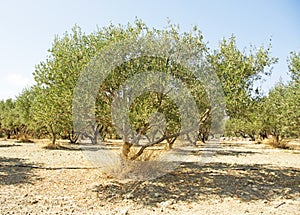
(34, 202)
(271, 192)
(287, 190)
(95, 187)
(129, 196)
(164, 204)
(247, 197)
(157, 195)
(167, 203)
(146, 183)
(151, 189)
(175, 196)
(124, 211)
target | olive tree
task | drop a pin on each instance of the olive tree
(294, 67)
(24, 103)
(238, 71)
(140, 92)
(9, 118)
(55, 80)
(282, 112)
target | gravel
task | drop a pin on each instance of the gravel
(238, 178)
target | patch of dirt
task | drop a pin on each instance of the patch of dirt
(236, 178)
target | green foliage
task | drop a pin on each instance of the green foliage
(8, 117)
(294, 67)
(277, 113)
(251, 125)
(56, 78)
(24, 103)
(145, 105)
(47, 106)
(238, 71)
(149, 103)
(281, 111)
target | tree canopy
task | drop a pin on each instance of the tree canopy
(141, 90)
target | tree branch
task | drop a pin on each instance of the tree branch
(140, 152)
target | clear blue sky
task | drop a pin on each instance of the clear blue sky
(28, 27)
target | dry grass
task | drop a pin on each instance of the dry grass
(282, 144)
(150, 154)
(52, 146)
(137, 170)
(146, 166)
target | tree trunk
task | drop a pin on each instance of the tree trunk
(252, 137)
(277, 139)
(73, 137)
(94, 139)
(170, 143)
(53, 139)
(263, 135)
(126, 149)
(94, 136)
(53, 135)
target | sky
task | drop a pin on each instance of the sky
(28, 28)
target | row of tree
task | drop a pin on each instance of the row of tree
(45, 109)
(276, 114)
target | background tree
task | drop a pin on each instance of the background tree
(294, 67)
(252, 125)
(56, 78)
(294, 93)
(238, 71)
(9, 118)
(24, 103)
(282, 112)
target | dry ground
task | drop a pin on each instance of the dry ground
(238, 178)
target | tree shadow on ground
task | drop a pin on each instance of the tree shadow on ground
(7, 146)
(15, 171)
(191, 182)
(60, 147)
(79, 147)
(214, 152)
(234, 153)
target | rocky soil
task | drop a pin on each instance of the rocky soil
(236, 178)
